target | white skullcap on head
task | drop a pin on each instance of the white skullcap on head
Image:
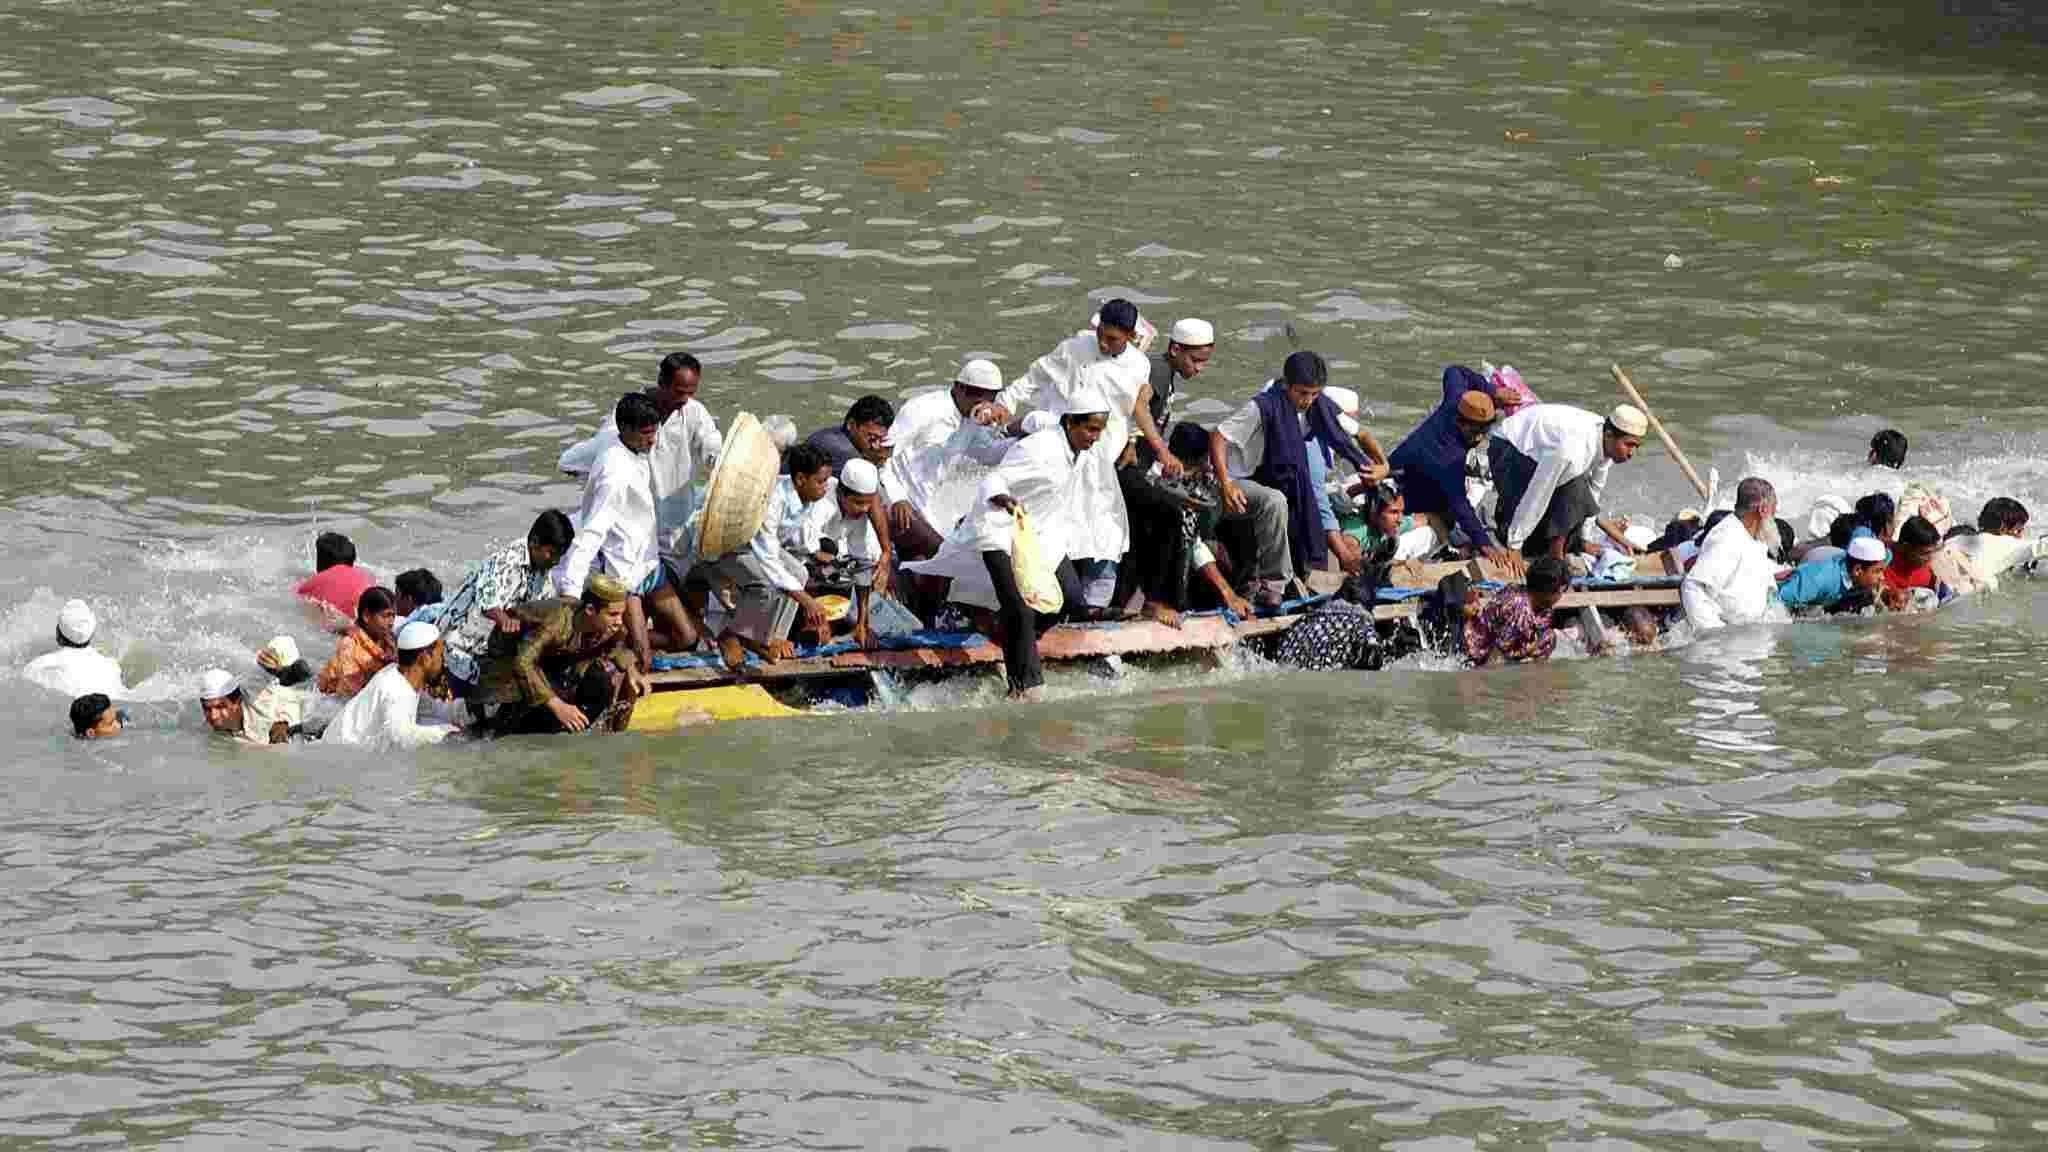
(75, 622)
(981, 375)
(1629, 420)
(281, 652)
(216, 683)
(417, 635)
(860, 477)
(1868, 549)
(1192, 333)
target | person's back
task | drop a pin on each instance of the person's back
(336, 582)
(76, 669)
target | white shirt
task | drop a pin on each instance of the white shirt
(75, 672)
(1040, 472)
(1102, 526)
(615, 525)
(1733, 581)
(824, 521)
(780, 533)
(1245, 433)
(386, 713)
(922, 429)
(684, 452)
(1565, 443)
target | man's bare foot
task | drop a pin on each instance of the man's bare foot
(731, 653)
(1027, 695)
(1161, 614)
(778, 650)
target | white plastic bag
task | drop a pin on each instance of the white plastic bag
(1037, 580)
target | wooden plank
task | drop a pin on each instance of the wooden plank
(1416, 574)
(1620, 598)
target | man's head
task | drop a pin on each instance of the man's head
(1304, 375)
(377, 613)
(675, 381)
(2003, 516)
(1189, 443)
(1875, 512)
(330, 549)
(977, 383)
(1888, 448)
(220, 700)
(1083, 429)
(1115, 327)
(76, 624)
(420, 648)
(1189, 346)
(548, 540)
(1919, 539)
(1547, 579)
(1388, 506)
(604, 606)
(867, 425)
(1842, 527)
(414, 590)
(94, 717)
(809, 471)
(1623, 434)
(858, 483)
(1866, 562)
(1756, 502)
(1474, 416)
(639, 420)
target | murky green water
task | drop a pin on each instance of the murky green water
(372, 266)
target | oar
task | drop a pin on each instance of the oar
(1657, 426)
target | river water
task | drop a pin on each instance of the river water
(373, 266)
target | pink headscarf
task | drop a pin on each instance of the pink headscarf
(1508, 388)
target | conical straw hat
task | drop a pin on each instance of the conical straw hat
(748, 464)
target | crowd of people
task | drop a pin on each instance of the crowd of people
(1072, 492)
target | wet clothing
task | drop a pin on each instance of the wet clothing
(1734, 580)
(501, 581)
(1550, 465)
(337, 589)
(1817, 583)
(75, 672)
(1018, 627)
(356, 658)
(1336, 635)
(385, 714)
(551, 649)
(1431, 462)
(1508, 625)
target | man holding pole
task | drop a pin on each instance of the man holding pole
(1550, 464)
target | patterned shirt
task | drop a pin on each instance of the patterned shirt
(549, 647)
(1510, 626)
(500, 581)
(356, 659)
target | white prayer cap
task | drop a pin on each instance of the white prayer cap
(75, 622)
(282, 652)
(417, 635)
(1629, 420)
(1825, 509)
(217, 683)
(1087, 400)
(1192, 333)
(1868, 549)
(859, 477)
(981, 375)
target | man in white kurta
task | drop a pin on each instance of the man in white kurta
(1550, 465)
(1734, 580)
(386, 713)
(926, 488)
(1105, 360)
(76, 668)
(684, 452)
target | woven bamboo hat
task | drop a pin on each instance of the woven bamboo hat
(738, 495)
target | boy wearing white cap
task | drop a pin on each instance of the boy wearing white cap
(76, 669)
(386, 713)
(842, 519)
(1833, 582)
(1550, 464)
(220, 703)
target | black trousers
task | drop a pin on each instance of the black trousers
(1157, 563)
(1571, 505)
(1018, 626)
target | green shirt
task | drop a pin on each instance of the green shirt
(550, 645)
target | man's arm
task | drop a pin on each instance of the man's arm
(1149, 429)
(1374, 453)
(1700, 595)
(590, 535)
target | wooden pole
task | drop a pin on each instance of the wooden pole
(1657, 426)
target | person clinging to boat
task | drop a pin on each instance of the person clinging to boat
(568, 666)
(1734, 580)
(1550, 464)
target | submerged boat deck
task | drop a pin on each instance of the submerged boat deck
(1198, 634)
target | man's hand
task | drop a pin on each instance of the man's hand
(637, 683)
(1237, 605)
(992, 414)
(506, 622)
(1894, 598)
(884, 574)
(814, 620)
(1169, 464)
(1234, 499)
(862, 637)
(1161, 614)
(570, 716)
(1349, 558)
(1374, 472)
(900, 516)
(1506, 560)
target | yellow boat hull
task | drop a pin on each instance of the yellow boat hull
(668, 711)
